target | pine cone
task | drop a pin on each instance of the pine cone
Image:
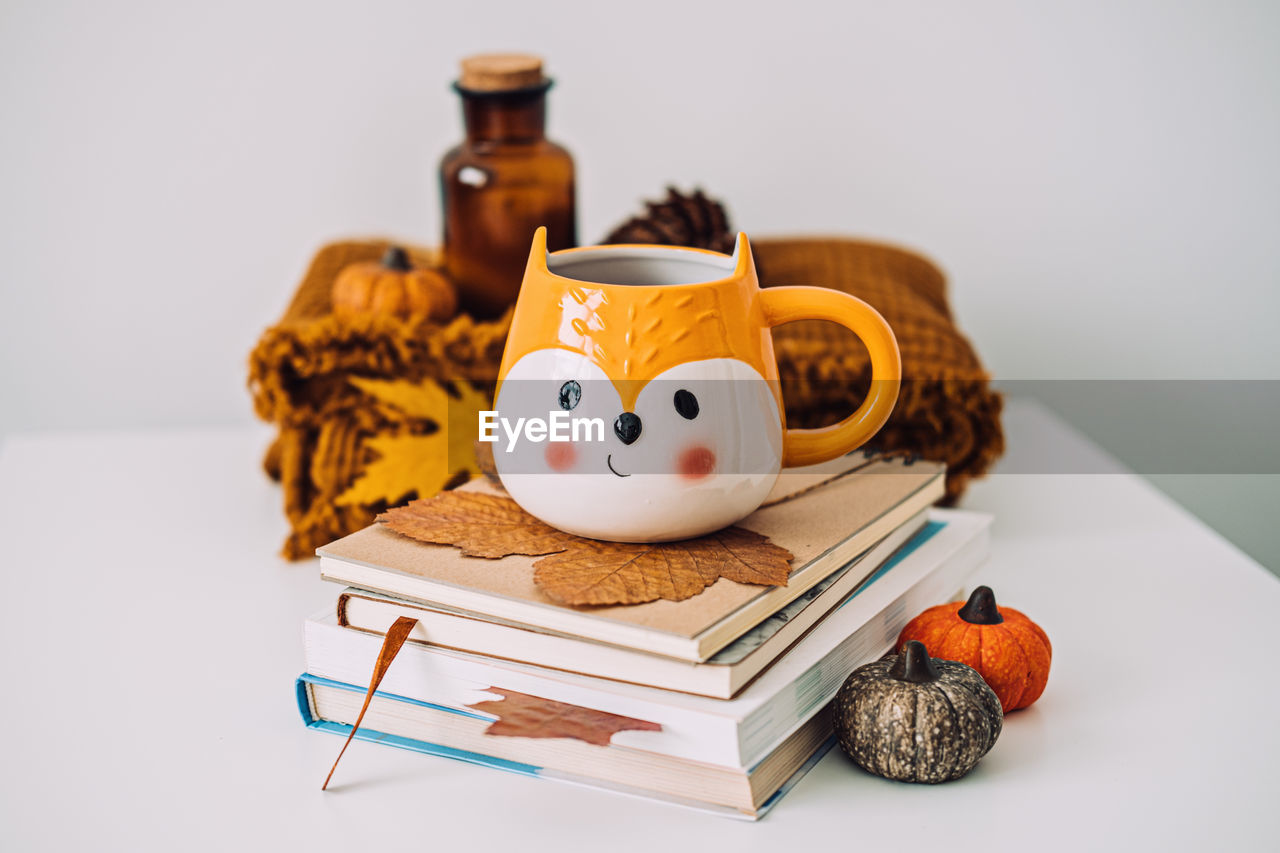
(679, 220)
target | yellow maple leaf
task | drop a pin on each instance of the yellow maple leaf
(400, 398)
(408, 462)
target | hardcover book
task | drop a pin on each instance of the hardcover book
(398, 721)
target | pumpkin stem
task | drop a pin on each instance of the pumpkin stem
(914, 664)
(981, 608)
(396, 259)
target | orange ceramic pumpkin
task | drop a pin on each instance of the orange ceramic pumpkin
(1010, 650)
(393, 286)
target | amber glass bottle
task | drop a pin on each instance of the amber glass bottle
(502, 182)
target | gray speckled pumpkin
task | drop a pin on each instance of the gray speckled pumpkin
(915, 719)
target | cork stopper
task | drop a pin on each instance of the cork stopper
(501, 72)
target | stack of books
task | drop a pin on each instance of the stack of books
(719, 701)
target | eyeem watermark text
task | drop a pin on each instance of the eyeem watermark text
(557, 426)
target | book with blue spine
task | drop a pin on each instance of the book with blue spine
(409, 724)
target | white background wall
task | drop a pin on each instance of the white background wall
(1101, 180)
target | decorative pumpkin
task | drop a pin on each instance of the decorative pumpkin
(916, 719)
(1010, 650)
(393, 286)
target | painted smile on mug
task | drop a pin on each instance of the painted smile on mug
(609, 461)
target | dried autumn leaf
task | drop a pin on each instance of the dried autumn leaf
(578, 571)
(620, 573)
(599, 573)
(400, 398)
(404, 464)
(391, 645)
(521, 715)
(407, 461)
(481, 525)
(741, 555)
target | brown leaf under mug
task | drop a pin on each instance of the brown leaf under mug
(578, 571)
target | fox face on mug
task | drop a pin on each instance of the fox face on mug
(638, 396)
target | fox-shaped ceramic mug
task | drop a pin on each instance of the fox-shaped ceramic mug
(638, 396)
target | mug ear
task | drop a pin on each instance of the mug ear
(742, 261)
(538, 252)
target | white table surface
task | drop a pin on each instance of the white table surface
(150, 640)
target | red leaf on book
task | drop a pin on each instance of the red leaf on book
(521, 715)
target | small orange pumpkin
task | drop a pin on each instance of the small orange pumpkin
(1010, 650)
(394, 287)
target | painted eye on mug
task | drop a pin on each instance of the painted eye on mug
(571, 393)
(686, 404)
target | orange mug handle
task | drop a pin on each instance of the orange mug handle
(788, 304)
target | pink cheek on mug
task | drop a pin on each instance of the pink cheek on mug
(560, 455)
(696, 462)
